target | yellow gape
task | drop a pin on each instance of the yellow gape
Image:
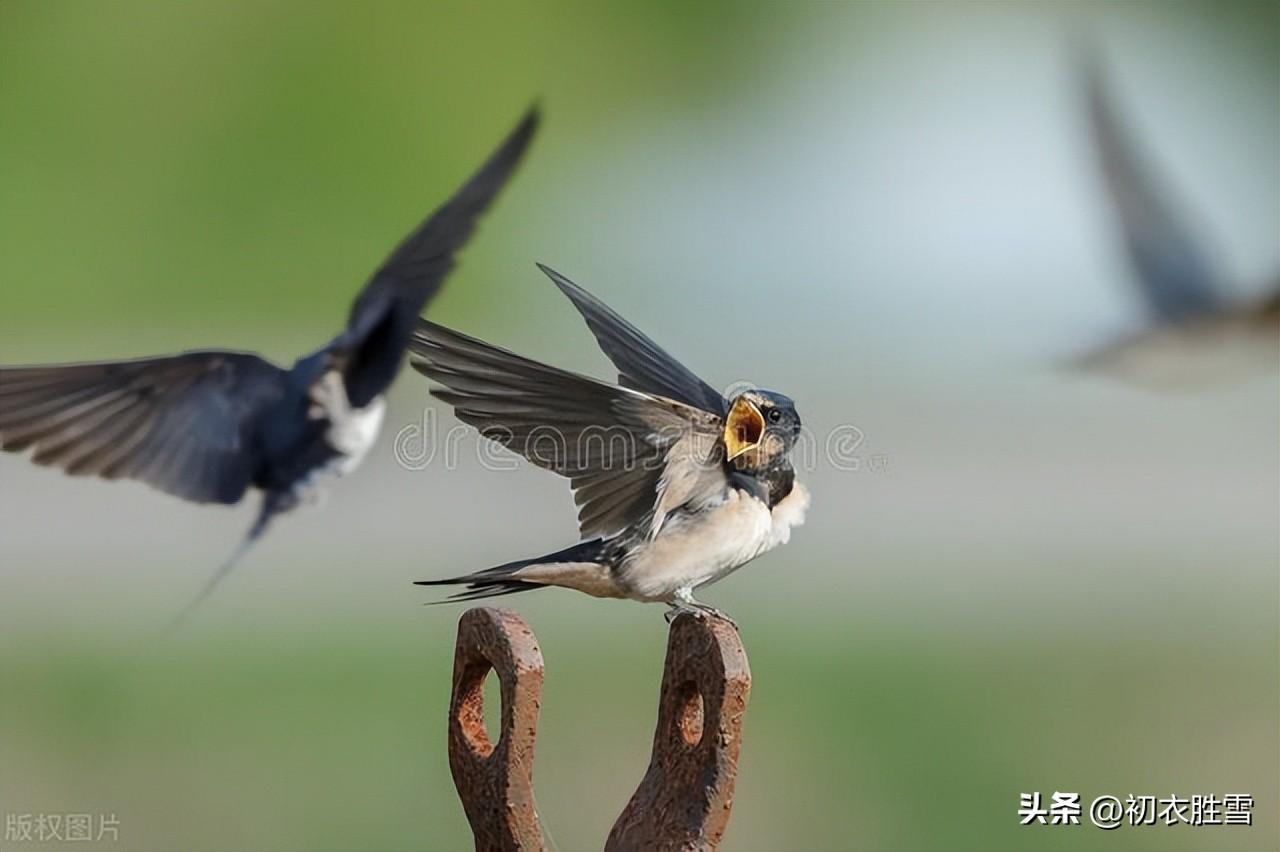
(743, 428)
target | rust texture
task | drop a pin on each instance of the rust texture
(686, 796)
(495, 781)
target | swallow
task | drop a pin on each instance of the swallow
(676, 486)
(209, 426)
(1194, 333)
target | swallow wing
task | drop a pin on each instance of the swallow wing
(628, 455)
(1171, 269)
(642, 364)
(183, 424)
(382, 317)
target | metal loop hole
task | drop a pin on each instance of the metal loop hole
(691, 714)
(471, 709)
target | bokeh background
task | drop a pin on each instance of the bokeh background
(1034, 581)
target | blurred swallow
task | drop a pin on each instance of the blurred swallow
(1193, 334)
(208, 426)
(676, 486)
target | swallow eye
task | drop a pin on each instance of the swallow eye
(774, 415)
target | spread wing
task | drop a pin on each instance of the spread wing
(183, 424)
(642, 364)
(383, 314)
(1171, 268)
(630, 457)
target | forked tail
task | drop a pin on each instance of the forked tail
(272, 505)
(573, 567)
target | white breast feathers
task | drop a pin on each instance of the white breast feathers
(694, 550)
(352, 432)
(787, 514)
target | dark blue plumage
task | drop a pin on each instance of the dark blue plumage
(207, 426)
(1172, 268)
(676, 486)
(1196, 333)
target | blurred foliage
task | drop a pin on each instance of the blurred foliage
(206, 164)
(880, 743)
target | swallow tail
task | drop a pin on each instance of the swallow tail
(273, 503)
(580, 567)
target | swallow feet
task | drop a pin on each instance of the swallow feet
(684, 602)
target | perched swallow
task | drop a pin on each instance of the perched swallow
(676, 486)
(207, 426)
(1193, 334)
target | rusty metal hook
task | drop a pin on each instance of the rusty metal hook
(686, 796)
(495, 781)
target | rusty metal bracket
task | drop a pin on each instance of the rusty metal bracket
(686, 796)
(495, 781)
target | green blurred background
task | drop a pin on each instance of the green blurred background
(1034, 581)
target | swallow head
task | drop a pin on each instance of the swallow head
(760, 429)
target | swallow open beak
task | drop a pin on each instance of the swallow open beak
(743, 428)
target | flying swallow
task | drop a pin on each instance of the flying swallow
(676, 486)
(208, 426)
(1193, 333)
